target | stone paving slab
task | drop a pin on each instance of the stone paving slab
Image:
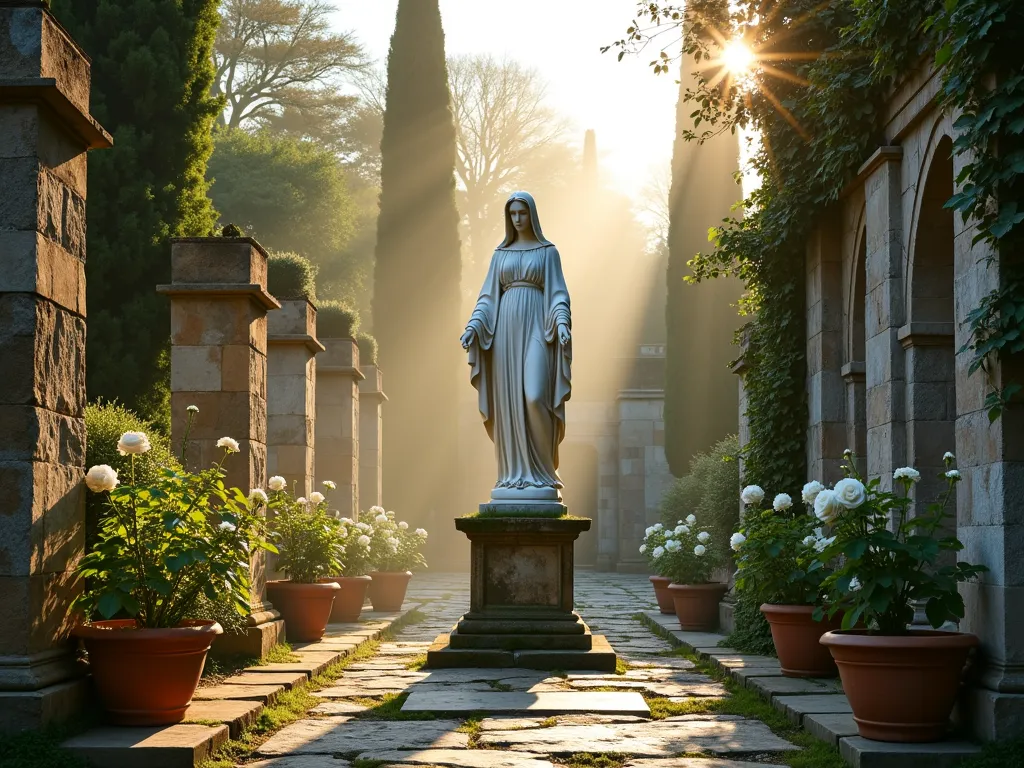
(461, 758)
(691, 762)
(339, 707)
(510, 723)
(830, 727)
(236, 715)
(550, 703)
(796, 707)
(265, 693)
(345, 735)
(742, 674)
(172, 746)
(859, 752)
(662, 738)
(770, 687)
(741, 661)
(288, 679)
(301, 761)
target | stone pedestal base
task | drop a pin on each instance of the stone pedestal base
(521, 599)
(32, 710)
(267, 630)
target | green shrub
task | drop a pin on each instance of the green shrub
(367, 348)
(335, 320)
(291, 276)
(104, 425)
(711, 492)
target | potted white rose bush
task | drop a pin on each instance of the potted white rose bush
(687, 557)
(654, 541)
(353, 578)
(777, 553)
(901, 681)
(160, 546)
(394, 552)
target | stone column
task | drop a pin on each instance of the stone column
(337, 421)
(219, 304)
(371, 398)
(826, 395)
(884, 315)
(291, 393)
(45, 130)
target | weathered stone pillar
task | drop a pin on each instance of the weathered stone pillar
(291, 393)
(45, 130)
(884, 315)
(371, 398)
(219, 304)
(337, 421)
(826, 395)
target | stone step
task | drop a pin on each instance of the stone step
(171, 746)
(235, 714)
(600, 657)
(513, 703)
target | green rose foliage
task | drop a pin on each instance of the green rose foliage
(393, 545)
(307, 536)
(166, 542)
(890, 559)
(777, 561)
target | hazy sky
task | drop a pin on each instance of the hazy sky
(632, 110)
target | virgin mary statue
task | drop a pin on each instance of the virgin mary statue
(518, 341)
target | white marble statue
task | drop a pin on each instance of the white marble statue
(519, 347)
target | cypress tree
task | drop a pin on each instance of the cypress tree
(701, 394)
(151, 78)
(416, 303)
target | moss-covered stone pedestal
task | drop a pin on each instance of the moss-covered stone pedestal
(521, 599)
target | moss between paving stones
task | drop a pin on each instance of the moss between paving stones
(744, 703)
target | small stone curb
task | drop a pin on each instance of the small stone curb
(236, 702)
(816, 705)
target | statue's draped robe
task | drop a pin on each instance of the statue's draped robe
(519, 368)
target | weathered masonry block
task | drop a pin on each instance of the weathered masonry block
(291, 393)
(337, 421)
(219, 305)
(45, 131)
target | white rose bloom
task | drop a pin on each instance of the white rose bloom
(229, 443)
(820, 545)
(752, 494)
(346, 520)
(362, 526)
(854, 584)
(364, 540)
(658, 551)
(953, 474)
(301, 500)
(403, 525)
(316, 497)
(389, 513)
(658, 526)
(782, 501)
(827, 505)
(699, 550)
(380, 519)
(809, 541)
(672, 545)
(703, 537)
(226, 526)
(277, 483)
(648, 531)
(643, 548)
(736, 541)
(851, 492)
(101, 477)
(421, 533)
(810, 492)
(330, 485)
(906, 473)
(847, 454)
(377, 510)
(679, 522)
(819, 533)
(680, 530)
(133, 442)
(691, 519)
(258, 494)
(948, 456)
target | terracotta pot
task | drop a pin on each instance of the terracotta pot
(348, 602)
(662, 595)
(146, 676)
(697, 605)
(901, 688)
(387, 589)
(305, 608)
(796, 635)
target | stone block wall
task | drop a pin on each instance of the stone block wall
(42, 346)
(371, 437)
(338, 422)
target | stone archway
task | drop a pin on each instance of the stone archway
(928, 336)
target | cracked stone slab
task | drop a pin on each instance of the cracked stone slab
(550, 703)
(301, 761)
(348, 690)
(662, 738)
(521, 723)
(461, 758)
(340, 707)
(700, 686)
(346, 735)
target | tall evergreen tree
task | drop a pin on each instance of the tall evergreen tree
(701, 393)
(151, 79)
(416, 307)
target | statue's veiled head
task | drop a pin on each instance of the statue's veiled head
(521, 219)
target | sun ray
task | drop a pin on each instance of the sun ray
(786, 114)
(784, 75)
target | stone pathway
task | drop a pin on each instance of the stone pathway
(345, 727)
